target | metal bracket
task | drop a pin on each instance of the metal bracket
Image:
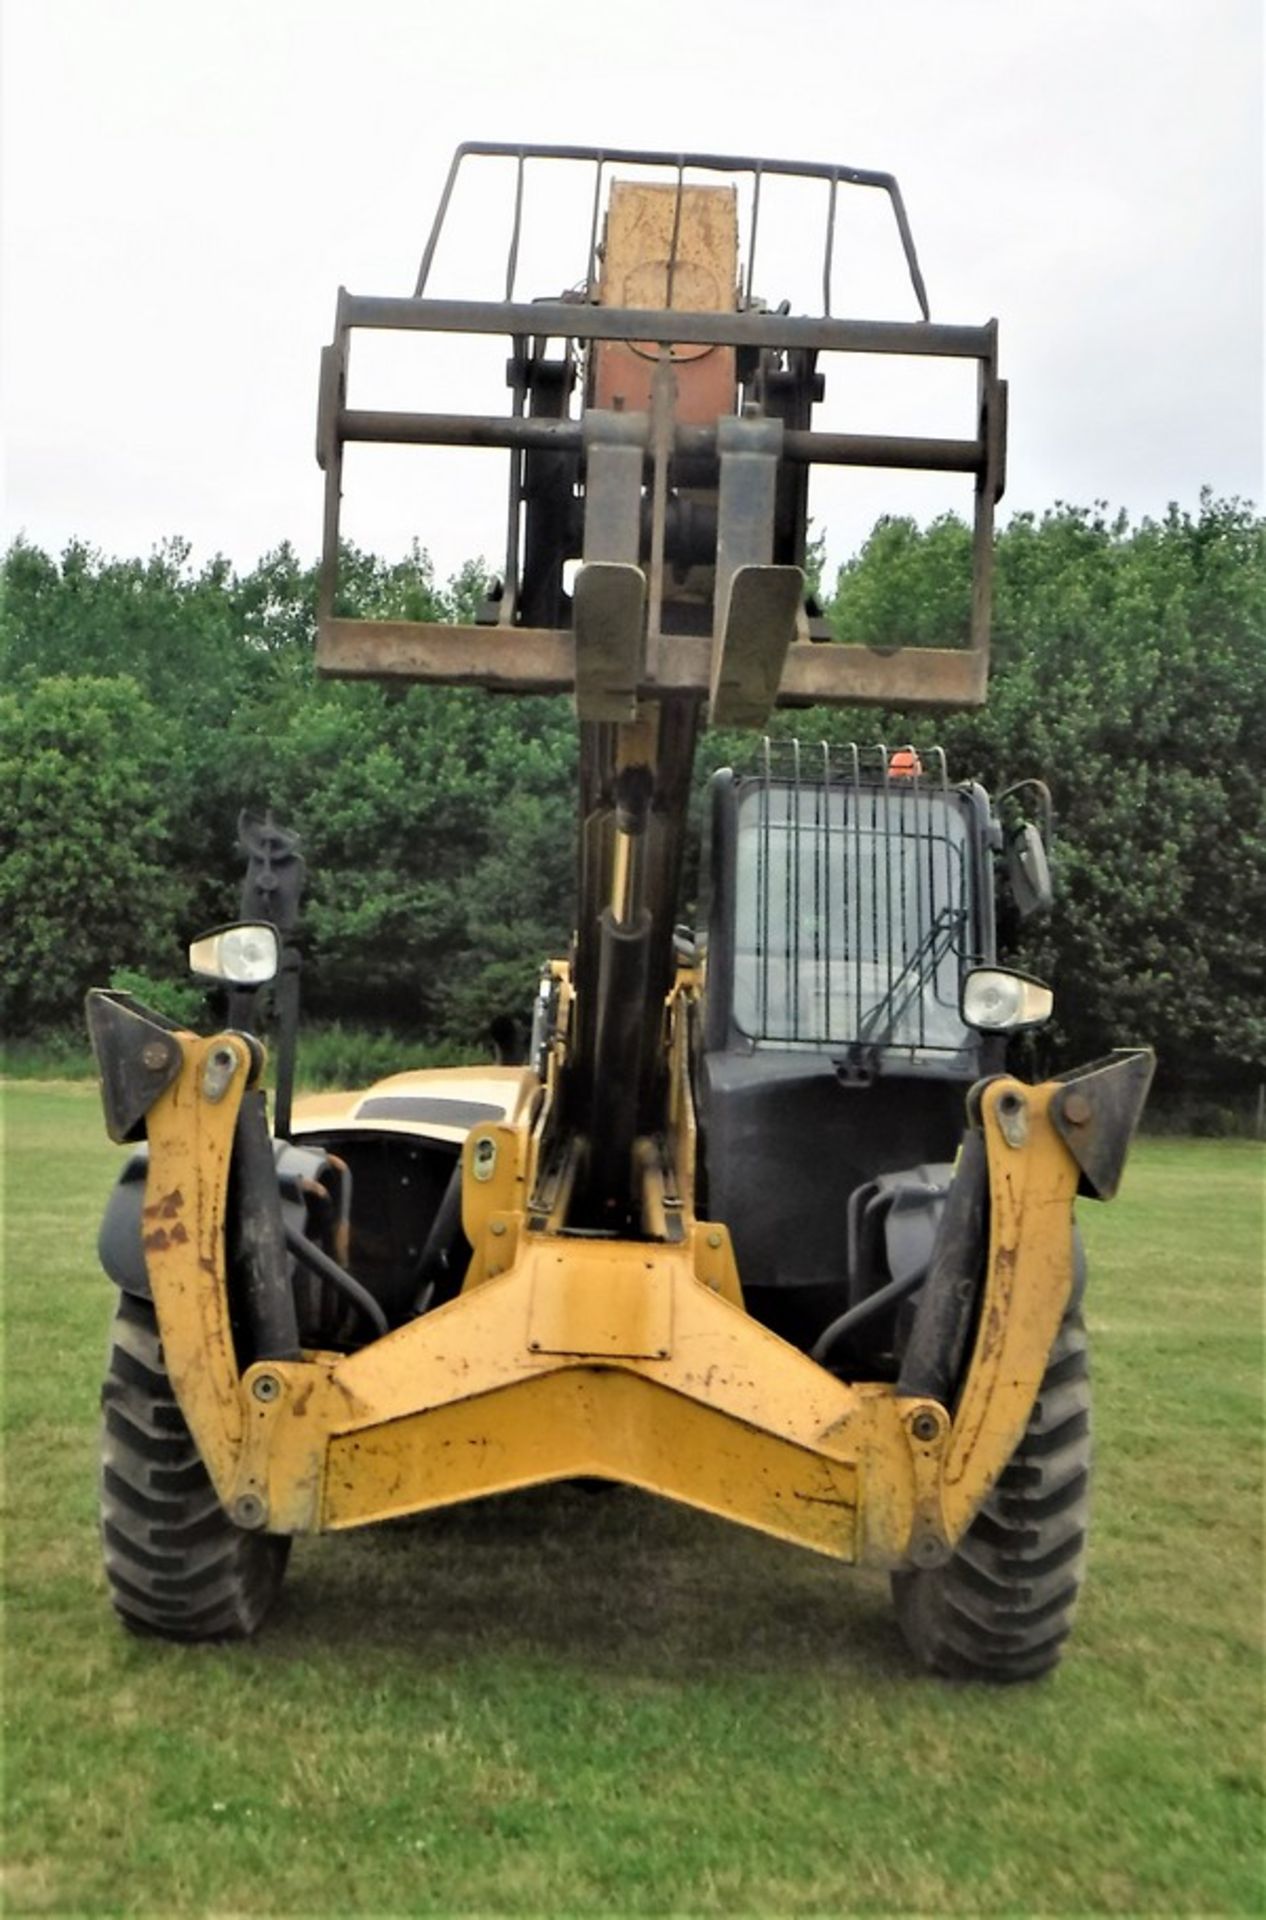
(756, 603)
(609, 606)
(927, 1427)
(139, 1054)
(615, 448)
(1095, 1114)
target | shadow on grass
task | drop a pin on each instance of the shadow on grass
(608, 1578)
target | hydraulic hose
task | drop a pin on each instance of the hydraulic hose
(320, 1263)
(875, 1303)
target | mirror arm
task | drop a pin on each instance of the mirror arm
(1045, 803)
(287, 1004)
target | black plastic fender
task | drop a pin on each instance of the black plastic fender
(119, 1245)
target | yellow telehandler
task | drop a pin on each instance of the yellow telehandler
(761, 1222)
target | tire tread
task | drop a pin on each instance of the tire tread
(175, 1564)
(1003, 1605)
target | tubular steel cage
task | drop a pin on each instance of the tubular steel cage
(600, 158)
(854, 916)
(516, 656)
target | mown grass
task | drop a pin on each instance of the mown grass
(569, 1704)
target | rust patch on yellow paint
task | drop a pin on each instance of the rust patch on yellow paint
(991, 1333)
(158, 1240)
(167, 1208)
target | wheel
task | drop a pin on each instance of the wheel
(175, 1563)
(1002, 1606)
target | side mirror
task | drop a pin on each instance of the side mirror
(245, 954)
(1029, 871)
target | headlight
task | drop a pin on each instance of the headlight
(1001, 1002)
(245, 955)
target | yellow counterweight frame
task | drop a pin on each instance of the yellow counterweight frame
(626, 1360)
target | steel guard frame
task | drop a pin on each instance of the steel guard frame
(622, 1360)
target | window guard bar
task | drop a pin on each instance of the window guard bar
(896, 859)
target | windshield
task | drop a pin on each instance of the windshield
(851, 921)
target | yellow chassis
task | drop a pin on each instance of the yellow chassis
(622, 1360)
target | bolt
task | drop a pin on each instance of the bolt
(266, 1386)
(1076, 1109)
(1013, 1119)
(155, 1056)
(498, 1227)
(249, 1510)
(485, 1158)
(925, 1425)
(927, 1550)
(714, 1239)
(219, 1070)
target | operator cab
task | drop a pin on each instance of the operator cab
(851, 895)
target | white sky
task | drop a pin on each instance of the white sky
(186, 183)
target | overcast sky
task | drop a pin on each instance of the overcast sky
(187, 182)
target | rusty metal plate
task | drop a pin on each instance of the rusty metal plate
(675, 248)
(543, 660)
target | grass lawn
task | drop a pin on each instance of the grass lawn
(563, 1703)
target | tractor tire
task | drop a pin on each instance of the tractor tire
(1002, 1606)
(176, 1565)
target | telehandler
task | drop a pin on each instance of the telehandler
(763, 1223)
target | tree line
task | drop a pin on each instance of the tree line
(147, 701)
